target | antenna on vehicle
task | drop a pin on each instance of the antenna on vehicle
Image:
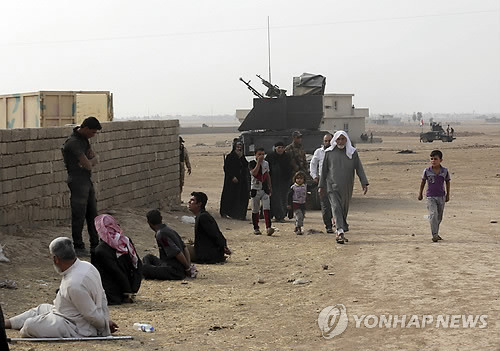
(269, 49)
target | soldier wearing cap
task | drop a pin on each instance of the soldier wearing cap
(297, 154)
(183, 159)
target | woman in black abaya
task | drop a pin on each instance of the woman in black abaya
(234, 199)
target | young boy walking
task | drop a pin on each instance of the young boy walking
(260, 191)
(436, 176)
(297, 200)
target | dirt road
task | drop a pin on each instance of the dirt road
(389, 267)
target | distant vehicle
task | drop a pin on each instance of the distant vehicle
(437, 133)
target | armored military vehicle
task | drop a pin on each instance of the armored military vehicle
(275, 116)
(437, 133)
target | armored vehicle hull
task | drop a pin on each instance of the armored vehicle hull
(429, 137)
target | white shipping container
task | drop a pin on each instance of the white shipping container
(54, 108)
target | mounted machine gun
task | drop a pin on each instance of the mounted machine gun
(252, 89)
(273, 91)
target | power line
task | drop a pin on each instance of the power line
(236, 30)
(389, 19)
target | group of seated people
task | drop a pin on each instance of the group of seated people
(115, 273)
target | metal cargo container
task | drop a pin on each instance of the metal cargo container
(54, 108)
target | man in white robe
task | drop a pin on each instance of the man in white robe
(337, 179)
(80, 308)
(315, 168)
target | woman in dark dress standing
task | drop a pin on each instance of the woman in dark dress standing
(234, 199)
(117, 262)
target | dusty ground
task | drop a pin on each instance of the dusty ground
(390, 265)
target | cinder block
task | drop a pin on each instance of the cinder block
(7, 186)
(9, 161)
(37, 180)
(42, 133)
(33, 133)
(45, 190)
(13, 197)
(5, 135)
(33, 193)
(16, 147)
(56, 154)
(60, 176)
(20, 134)
(111, 126)
(25, 170)
(32, 146)
(55, 132)
(44, 144)
(9, 173)
(18, 184)
(3, 148)
(39, 169)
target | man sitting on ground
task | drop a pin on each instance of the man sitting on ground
(80, 308)
(209, 244)
(174, 262)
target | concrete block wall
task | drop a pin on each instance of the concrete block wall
(138, 167)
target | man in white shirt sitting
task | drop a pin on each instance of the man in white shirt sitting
(80, 308)
(315, 171)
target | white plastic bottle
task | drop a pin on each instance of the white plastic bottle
(145, 327)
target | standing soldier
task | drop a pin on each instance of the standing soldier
(183, 159)
(297, 154)
(80, 160)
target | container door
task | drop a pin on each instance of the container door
(91, 105)
(32, 111)
(15, 116)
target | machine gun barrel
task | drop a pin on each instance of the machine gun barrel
(267, 84)
(252, 89)
(273, 91)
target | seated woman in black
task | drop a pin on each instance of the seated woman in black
(117, 261)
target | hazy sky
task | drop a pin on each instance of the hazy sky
(185, 57)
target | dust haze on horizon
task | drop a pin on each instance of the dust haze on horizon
(185, 58)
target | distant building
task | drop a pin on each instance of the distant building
(241, 114)
(340, 114)
(385, 120)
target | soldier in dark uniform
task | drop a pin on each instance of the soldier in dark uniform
(183, 159)
(79, 160)
(297, 154)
